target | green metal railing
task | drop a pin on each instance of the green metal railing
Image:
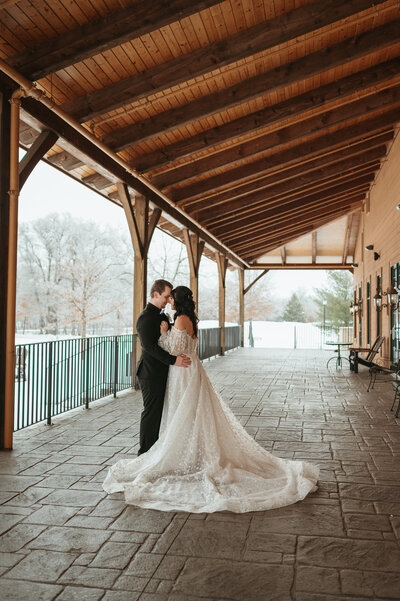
(55, 377)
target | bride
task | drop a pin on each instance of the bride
(204, 460)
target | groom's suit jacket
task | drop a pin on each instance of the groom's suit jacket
(154, 362)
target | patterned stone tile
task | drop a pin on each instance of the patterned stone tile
(20, 590)
(210, 539)
(70, 540)
(216, 578)
(45, 566)
(114, 555)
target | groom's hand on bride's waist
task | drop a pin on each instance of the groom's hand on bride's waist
(182, 361)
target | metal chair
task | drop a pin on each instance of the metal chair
(396, 386)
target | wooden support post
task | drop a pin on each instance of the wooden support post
(222, 263)
(41, 145)
(241, 305)
(194, 248)
(141, 229)
(9, 190)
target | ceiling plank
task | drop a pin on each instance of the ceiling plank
(254, 87)
(253, 122)
(347, 132)
(348, 152)
(98, 36)
(258, 38)
(178, 175)
(314, 177)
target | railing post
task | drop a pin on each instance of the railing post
(49, 383)
(116, 367)
(87, 373)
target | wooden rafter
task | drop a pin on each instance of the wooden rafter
(347, 133)
(253, 122)
(317, 177)
(245, 290)
(270, 266)
(105, 33)
(283, 255)
(299, 170)
(312, 214)
(279, 202)
(241, 45)
(272, 81)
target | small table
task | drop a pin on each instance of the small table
(338, 357)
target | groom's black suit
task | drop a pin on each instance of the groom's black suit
(152, 371)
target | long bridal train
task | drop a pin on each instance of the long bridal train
(204, 460)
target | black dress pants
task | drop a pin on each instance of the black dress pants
(153, 392)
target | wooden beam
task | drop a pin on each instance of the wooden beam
(98, 36)
(300, 266)
(262, 247)
(326, 139)
(253, 122)
(65, 160)
(278, 203)
(194, 247)
(256, 39)
(254, 87)
(287, 172)
(314, 179)
(241, 305)
(250, 286)
(314, 247)
(36, 152)
(85, 147)
(312, 215)
(347, 238)
(276, 139)
(222, 264)
(243, 228)
(273, 243)
(98, 181)
(283, 255)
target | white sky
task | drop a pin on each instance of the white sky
(48, 191)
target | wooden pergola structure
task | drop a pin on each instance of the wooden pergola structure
(251, 130)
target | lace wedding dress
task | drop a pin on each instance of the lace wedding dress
(204, 460)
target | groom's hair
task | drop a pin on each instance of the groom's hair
(159, 286)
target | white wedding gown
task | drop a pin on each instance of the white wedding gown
(204, 460)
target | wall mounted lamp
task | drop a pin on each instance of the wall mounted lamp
(392, 299)
(355, 306)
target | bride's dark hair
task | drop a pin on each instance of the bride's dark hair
(185, 305)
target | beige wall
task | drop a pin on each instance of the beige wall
(380, 226)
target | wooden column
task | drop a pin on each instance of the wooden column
(194, 248)
(141, 229)
(241, 304)
(222, 263)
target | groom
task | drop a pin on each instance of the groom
(152, 369)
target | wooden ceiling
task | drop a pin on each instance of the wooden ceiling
(265, 121)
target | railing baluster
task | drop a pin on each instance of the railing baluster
(49, 382)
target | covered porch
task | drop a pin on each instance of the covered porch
(63, 538)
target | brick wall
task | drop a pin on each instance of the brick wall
(380, 226)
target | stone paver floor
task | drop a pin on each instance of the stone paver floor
(63, 538)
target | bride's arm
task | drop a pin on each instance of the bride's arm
(173, 341)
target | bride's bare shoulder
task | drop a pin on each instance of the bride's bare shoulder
(183, 322)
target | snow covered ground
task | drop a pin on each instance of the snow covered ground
(266, 334)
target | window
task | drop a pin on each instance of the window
(354, 316)
(359, 318)
(395, 319)
(368, 312)
(378, 313)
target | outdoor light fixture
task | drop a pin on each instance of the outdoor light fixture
(392, 298)
(355, 307)
(369, 247)
(398, 207)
